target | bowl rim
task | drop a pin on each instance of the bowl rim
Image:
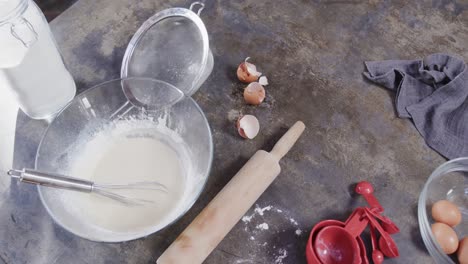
(148, 231)
(429, 240)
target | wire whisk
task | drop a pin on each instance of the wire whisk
(69, 183)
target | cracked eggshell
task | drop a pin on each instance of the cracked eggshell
(247, 72)
(263, 81)
(248, 126)
(254, 93)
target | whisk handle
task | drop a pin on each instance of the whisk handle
(51, 180)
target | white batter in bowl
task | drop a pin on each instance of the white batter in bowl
(102, 137)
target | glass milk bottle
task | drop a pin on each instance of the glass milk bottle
(30, 64)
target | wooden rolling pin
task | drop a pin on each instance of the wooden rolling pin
(207, 230)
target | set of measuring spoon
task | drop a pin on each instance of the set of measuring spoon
(336, 242)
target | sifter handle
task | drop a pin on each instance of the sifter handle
(287, 140)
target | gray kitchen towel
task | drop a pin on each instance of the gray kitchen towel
(432, 92)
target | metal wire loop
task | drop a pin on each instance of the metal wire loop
(193, 6)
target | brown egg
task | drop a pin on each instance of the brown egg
(446, 212)
(462, 252)
(446, 237)
(254, 93)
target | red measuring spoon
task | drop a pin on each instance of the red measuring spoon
(388, 247)
(387, 224)
(377, 256)
(338, 245)
(310, 252)
(386, 243)
(365, 189)
(358, 238)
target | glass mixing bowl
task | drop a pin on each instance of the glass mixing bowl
(135, 98)
(448, 182)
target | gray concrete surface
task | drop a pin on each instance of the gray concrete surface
(313, 53)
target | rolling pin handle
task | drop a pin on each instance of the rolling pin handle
(287, 140)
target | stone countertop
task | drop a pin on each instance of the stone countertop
(312, 52)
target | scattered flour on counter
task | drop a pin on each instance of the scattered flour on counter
(247, 218)
(256, 224)
(293, 221)
(260, 211)
(282, 255)
(263, 226)
(233, 114)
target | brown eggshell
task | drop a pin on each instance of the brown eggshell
(254, 93)
(446, 212)
(263, 80)
(246, 76)
(462, 252)
(248, 126)
(446, 237)
(240, 130)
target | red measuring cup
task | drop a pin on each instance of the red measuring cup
(338, 245)
(310, 252)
